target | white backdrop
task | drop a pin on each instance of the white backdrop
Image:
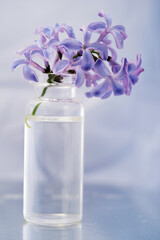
(122, 134)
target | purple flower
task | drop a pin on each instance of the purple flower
(84, 61)
(60, 66)
(100, 90)
(132, 71)
(86, 58)
(121, 79)
(93, 62)
(50, 42)
(109, 84)
(48, 33)
(104, 28)
(35, 51)
(28, 72)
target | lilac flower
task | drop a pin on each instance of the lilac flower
(111, 83)
(48, 33)
(44, 49)
(30, 52)
(84, 61)
(84, 51)
(104, 28)
(87, 60)
(28, 72)
(132, 70)
(92, 62)
(121, 79)
(50, 41)
(60, 66)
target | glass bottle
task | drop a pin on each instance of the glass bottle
(53, 156)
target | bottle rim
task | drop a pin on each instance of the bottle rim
(68, 82)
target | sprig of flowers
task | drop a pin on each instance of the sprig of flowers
(93, 63)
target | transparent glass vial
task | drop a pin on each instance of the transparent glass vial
(53, 156)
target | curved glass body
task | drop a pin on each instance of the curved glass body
(53, 157)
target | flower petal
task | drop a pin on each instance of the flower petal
(100, 47)
(87, 34)
(131, 67)
(139, 60)
(80, 77)
(88, 94)
(60, 66)
(106, 41)
(48, 53)
(118, 89)
(29, 49)
(18, 62)
(37, 53)
(138, 71)
(113, 53)
(91, 78)
(51, 42)
(29, 74)
(71, 43)
(67, 53)
(43, 40)
(101, 69)
(127, 84)
(107, 94)
(116, 68)
(100, 89)
(135, 69)
(47, 32)
(133, 78)
(96, 26)
(77, 62)
(87, 60)
(107, 18)
(118, 39)
(67, 29)
(121, 29)
(122, 72)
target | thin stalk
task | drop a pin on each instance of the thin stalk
(26, 122)
(52, 78)
(42, 94)
(35, 109)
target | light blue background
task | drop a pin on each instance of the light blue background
(122, 134)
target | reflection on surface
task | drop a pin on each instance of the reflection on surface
(35, 232)
(110, 213)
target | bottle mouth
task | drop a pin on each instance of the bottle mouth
(65, 80)
(55, 90)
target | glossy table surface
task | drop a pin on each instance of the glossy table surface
(110, 213)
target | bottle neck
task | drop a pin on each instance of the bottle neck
(55, 92)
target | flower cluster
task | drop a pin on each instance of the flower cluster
(93, 63)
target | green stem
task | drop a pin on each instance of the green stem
(42, 94)
(35, 109)
(26, 122)
(52, 78)
(44, 90)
